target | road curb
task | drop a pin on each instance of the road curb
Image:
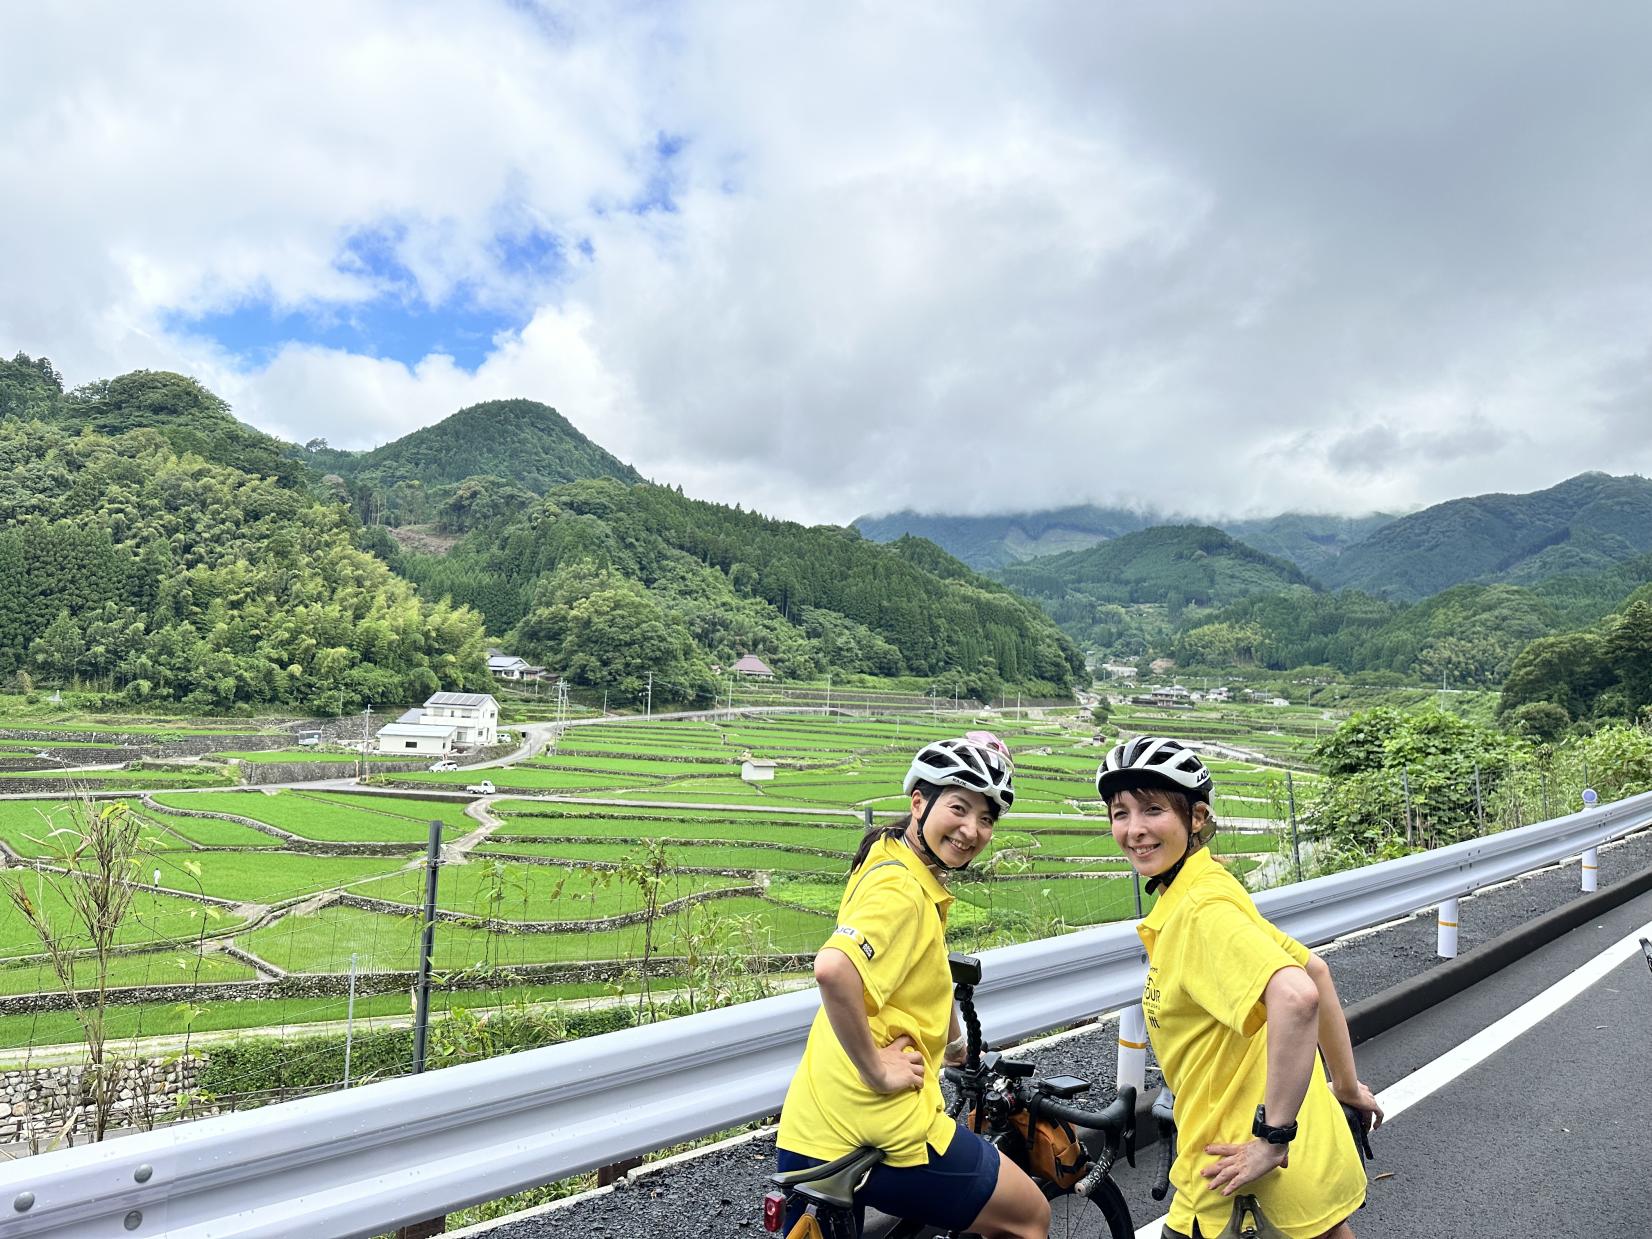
(1392, 1007)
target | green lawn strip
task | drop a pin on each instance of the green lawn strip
(518, 776)
(534, 892)
(835, 838)
(635, 765)
(699, 855)
(292, 1014)
(34, 746)
(324, 941)
(267, 877)
(124, 778)
(151, 918)
(121, 728)
(212, 831)
(409, 808)
(309, 816)
(1074, 901)
(149, 968)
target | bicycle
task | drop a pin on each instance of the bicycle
(992, 1092)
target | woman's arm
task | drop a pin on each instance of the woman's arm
(886, 1069)
(1292, 1003)
(1336, 1045)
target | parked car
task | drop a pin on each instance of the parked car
(484, 788)
(440, 766)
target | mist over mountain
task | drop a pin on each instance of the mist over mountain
(1308, 540)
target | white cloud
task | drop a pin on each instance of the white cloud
(968, 258)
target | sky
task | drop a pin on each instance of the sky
(828, 260)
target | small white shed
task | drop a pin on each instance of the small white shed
(417, 739)
(757, 770)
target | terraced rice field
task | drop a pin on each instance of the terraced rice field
(550, 872)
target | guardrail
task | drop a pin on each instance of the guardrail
(366, 1160)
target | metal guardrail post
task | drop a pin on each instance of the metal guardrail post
(1449, 918)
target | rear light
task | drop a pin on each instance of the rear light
(774, 1211)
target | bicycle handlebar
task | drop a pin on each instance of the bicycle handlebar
(1114, 1119)
(1167, 1156)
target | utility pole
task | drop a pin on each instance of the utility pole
(828, 692)
(366, 724)
(648, 710)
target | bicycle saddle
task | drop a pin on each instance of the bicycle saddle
(832, 1183)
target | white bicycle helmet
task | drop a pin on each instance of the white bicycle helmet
(1153, 761)
(979, 762)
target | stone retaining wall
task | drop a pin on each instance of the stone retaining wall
(45, 1103)
(255, 773)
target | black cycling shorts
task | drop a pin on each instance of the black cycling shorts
(948, 1193)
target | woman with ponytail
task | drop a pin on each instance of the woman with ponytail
(870, 1073)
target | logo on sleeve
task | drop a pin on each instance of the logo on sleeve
(859, 939)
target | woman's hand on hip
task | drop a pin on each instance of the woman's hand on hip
(1240, 1164)
(899, 1067)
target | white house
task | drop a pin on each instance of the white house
(417, 739)
(757, 770)
(474, 715)
(510, 667)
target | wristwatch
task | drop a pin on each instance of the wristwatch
(1273, 1135)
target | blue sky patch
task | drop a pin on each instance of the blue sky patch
(397, 324)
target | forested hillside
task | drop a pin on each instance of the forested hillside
(1603, 671)
(1584, 524)
(468, 467)
(1168, 566)
(611, 582)
(158, 575)
(1469, 635)
(188, 416)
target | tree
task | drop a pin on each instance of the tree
(77, 910)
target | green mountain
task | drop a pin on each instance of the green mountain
(189, 417)
(1309, 540)
(613, 583)
(151, 573)
(521, 441)
(990, 542)
(1469, 635)
(1123, 596)
(1185, 565)
(1586, 523)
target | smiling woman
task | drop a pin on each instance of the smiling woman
(870, 1073)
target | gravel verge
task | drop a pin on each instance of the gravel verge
(717, 1191)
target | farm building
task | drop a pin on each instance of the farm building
(422, 739)
(752, 665)
(475, 715)
(757, 770)
(511, 667)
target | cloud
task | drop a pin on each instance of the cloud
(822, 262)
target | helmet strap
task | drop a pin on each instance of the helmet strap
(923, 841)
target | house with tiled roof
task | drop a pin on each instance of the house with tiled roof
(752, 665)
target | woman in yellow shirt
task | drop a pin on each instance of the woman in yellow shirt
(870, 1071)
(1239, 1015)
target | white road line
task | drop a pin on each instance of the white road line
(1427, 1080)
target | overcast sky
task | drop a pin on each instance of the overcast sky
(833, 259)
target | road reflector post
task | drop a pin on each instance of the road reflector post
(1591, 856)
(1133, 1050)
(1447, 945)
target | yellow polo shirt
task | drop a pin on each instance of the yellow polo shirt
(1210, 956)
(892, 924)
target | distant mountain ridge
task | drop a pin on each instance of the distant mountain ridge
(991, 542)
(1585, 524)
